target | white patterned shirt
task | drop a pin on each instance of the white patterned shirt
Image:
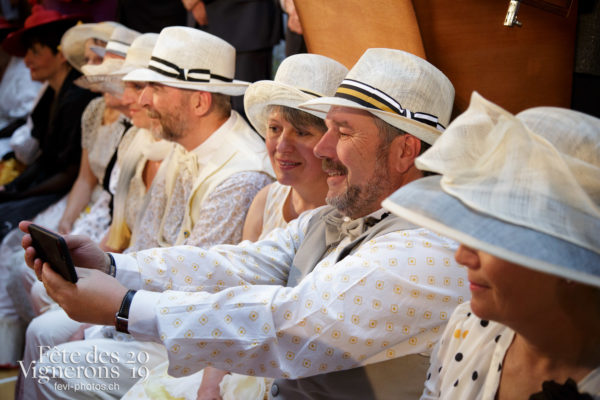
(467, 362)
(228, 306)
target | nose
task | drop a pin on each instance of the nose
(145, 98)
(285, 142)
(129, 96)
(27, 58)
(467, 256)
(325, 148)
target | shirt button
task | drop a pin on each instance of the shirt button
(274, 390)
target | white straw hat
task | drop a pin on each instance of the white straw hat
(189, 58)
(96, 77)
(138, 54)
(73, 41)
(299, 78)
(525, 189)
(400, 88)
(119, 42)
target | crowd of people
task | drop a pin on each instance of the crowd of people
(339, 238)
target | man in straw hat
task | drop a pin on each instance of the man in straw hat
(342, 302)
(521, 195)
(203, 189)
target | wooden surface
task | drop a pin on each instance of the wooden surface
(515, 67)
(343, 29)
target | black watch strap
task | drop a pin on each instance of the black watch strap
(112, 268)
(122, 317)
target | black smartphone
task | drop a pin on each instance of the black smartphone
(52, 248)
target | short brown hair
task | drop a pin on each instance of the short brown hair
(298, 118)
(221, 103)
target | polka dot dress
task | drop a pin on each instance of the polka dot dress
(467, 362)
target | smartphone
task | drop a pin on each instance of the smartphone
(52, 248)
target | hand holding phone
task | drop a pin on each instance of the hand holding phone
(52, 248)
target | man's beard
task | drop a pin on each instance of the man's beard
(359, 198)
(169, 128)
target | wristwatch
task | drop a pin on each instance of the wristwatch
(122, 317)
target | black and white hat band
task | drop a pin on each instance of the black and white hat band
(371, 97)
(171, 70)
(117, 47)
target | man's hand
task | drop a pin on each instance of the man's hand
(84, 252)
(95, 298)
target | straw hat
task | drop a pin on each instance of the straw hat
(525, 189)
(400, 88)
(299, 78)
(138, 56)
(118, 44)
(73, 41)
(189, 58)
(40, 16)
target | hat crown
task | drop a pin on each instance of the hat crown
(140, 51)
(313, 73)
(41, 15)
(193, 49)
(299, 78)
(532, 170)
(414, 83)
(120, 40)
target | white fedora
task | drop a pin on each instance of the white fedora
(299, 78)
(525, 189)
(95, 77)
(138, 54)
(109, 79)
(189, 58)
(73, 41)
(119, 43)
(400, 88)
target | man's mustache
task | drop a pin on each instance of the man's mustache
(329, 165)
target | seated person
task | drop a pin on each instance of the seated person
(17, 95)
(521, 194)
(290, 135)
(331, 304)
(56, 119)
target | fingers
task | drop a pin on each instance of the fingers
(53, 282)
(24, 226)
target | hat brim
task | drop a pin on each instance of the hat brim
(234, 88)
(107, 67)
(423, 131)
(262, 94)
(13, 43)
(101, 84)
(423, 202)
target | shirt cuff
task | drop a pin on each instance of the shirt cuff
(128, 271)
(142, 323)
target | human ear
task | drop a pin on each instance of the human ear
(201, 102)
(403, 151)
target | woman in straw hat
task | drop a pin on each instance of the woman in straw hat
(522, 195)
(290, 135)
(56, 118)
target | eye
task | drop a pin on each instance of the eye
(273, 129)
(303, 133)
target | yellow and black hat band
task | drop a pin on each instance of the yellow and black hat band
(370, 97)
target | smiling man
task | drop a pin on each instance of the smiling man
(344, 302)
